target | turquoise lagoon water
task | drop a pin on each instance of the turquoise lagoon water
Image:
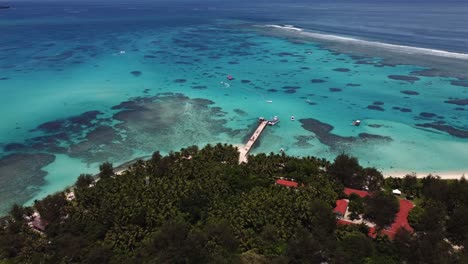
(76, 94)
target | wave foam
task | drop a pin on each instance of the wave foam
(387, 46)
(286, 27)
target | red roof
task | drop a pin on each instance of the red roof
(341, 206)
(349, 191)
(287, 183)
(401, 219)
(372, 233)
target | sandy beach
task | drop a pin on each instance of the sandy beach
(446, 175)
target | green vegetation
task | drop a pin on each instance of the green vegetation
(200, 206)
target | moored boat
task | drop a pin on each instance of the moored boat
(274, 121)
(356, 123)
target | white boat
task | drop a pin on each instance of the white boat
(274, 121)
(292, 118)
(356, 123)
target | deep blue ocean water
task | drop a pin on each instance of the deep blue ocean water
(83, 83)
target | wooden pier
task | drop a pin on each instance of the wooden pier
(243, 151)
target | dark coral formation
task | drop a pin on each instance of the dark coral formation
(170, 118)
(441, 126)
(367, 136)
(180, 80)
(342, 70)
(240, 112)
(272, 90)
(460, 83)
(303, 141)
(16, 147)
(291, 87)
(199, 87)
(100, 144)
(462, 102)
(402, 109)
(317, 81)
(410, 79)
(21, 174)
(58, 135)
(375, 107)
(289, 54)
(323, 133)
(136, 73)
(427, 115)
(71, 124)
(408, 92)
(334, 90)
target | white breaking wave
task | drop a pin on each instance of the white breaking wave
(285, 27)
(387, 46)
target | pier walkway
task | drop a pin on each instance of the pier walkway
(243, 151)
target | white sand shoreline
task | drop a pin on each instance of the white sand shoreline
(445, 175)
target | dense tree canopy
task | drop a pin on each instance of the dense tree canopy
(346, 170)
(201, 206)
(381, 208)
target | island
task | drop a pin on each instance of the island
(203, 206)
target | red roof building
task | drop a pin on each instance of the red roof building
(341, 206)
(349, 191)
(287, 183)
(401, 219)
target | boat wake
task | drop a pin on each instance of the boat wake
(375, 44)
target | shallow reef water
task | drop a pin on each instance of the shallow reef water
(122, 90)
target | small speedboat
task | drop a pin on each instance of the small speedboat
(356, 123)
(269, 101)
(292, 118)
(274, 121)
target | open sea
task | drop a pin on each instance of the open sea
(88, 82)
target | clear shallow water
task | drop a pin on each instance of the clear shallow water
(79, 89)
